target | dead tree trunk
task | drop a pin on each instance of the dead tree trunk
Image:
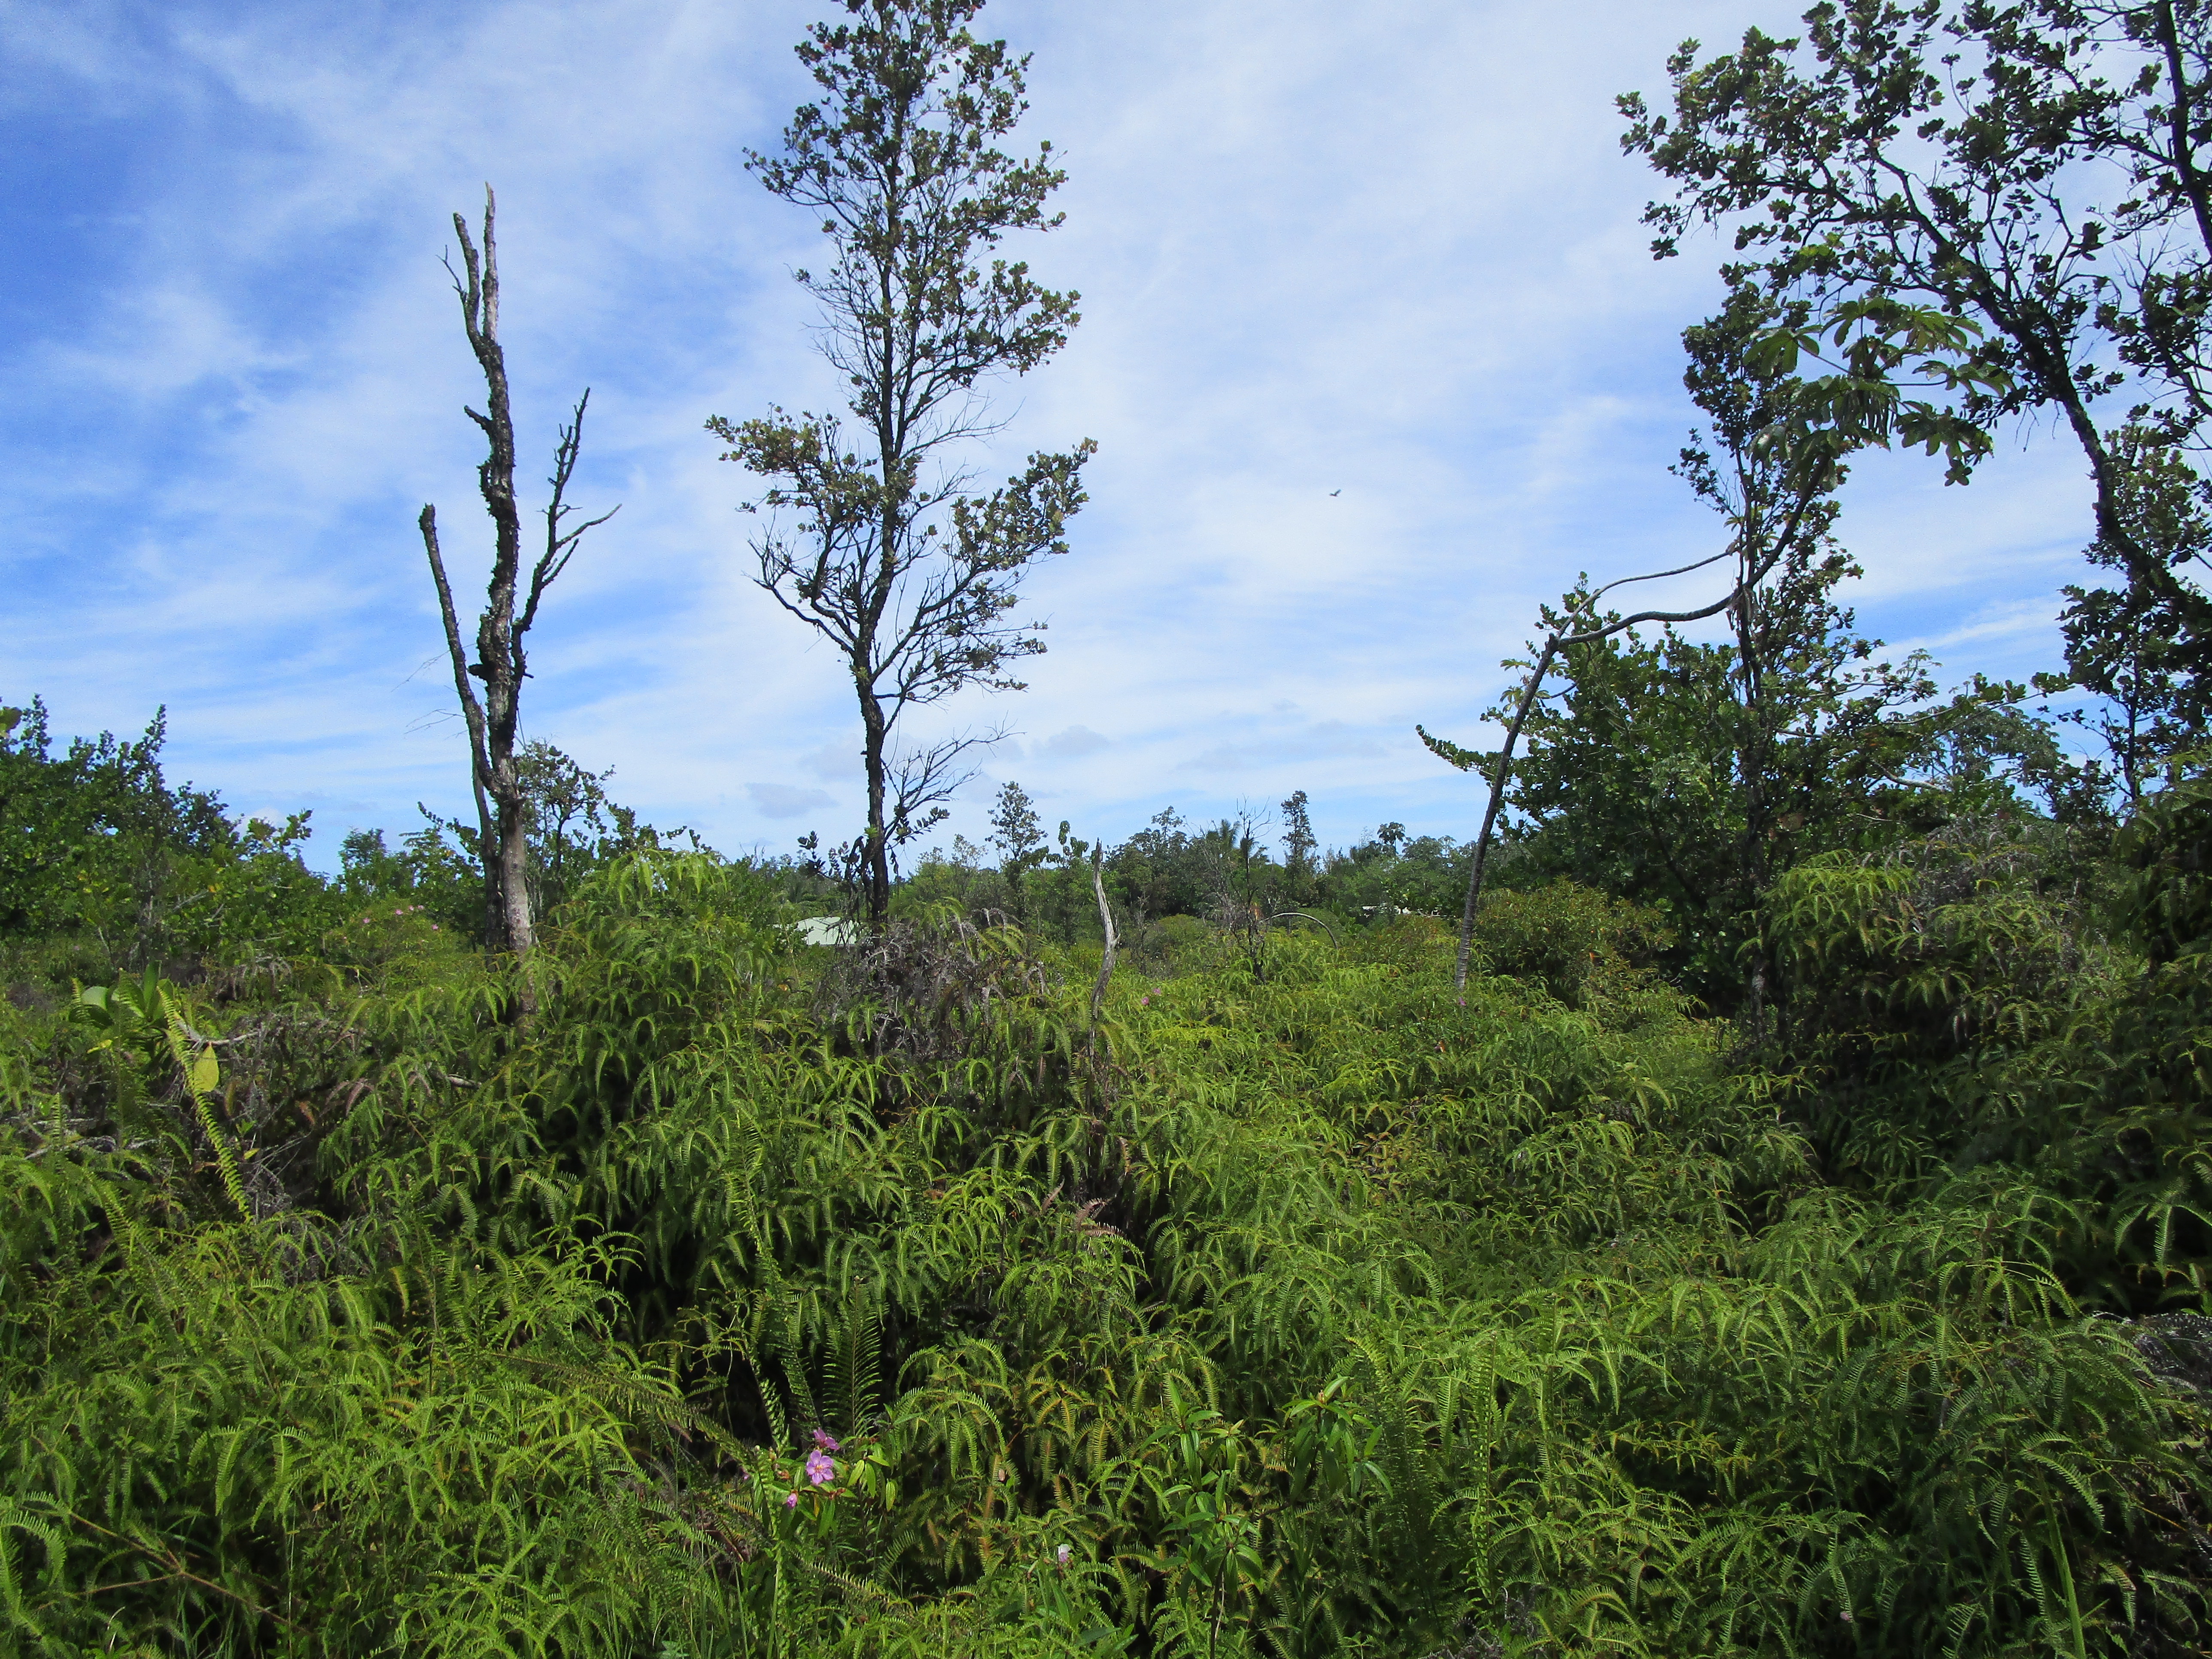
(473, 711)
(1106, 922)
(502, 805)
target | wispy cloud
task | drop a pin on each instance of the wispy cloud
(1373, 349)
(783, 800)
(2004, 624)
(1073, 743)
(1260, 747)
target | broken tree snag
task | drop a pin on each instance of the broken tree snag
(502, 663)
(1106, 920)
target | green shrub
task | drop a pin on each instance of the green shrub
(1583, 946)
(1297, 1305)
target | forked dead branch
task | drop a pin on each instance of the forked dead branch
(501, 662)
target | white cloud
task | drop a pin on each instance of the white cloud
(1073, 743)
(833, 760)
(1307, 741)
(1393, 252)
(782, 800)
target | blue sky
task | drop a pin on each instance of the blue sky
(1391, 250)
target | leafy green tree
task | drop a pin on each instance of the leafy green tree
(569, 805)
(965, 880)
(1771, 472)
(100, 855)
(444, 880)
(1394, 871)
(1019, 835)
(1299, 842)
(2034, 170)
(87, 836)
(890, 557)
(575, 827)
(1016, 830)
(572, 826)
(2130, 645)
(1653, 775)
(1230, 866)
(1645, 776)
(1153, 871)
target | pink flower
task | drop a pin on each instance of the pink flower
(824, 1441)
(819, 1468)
(1064, 1552)
(790, 1500)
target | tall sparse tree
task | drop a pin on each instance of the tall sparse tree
(1297, 838)
(1016, 831)
(503, 806)
(887, 552)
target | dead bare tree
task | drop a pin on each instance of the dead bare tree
(1105, 922)
(502, 809)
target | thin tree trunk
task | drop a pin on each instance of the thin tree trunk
(2179, 117)
(473, 711)
(875, 861)
(1757, 770)
(1528, 694)
(1106, 921)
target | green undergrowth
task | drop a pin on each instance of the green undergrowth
(695, 1291)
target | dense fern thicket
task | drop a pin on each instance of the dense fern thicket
(746, 1297)
(1791, 1239)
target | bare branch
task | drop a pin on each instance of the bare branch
(928, 777)
(1658, 576)
(560, 544)
(472, 711)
